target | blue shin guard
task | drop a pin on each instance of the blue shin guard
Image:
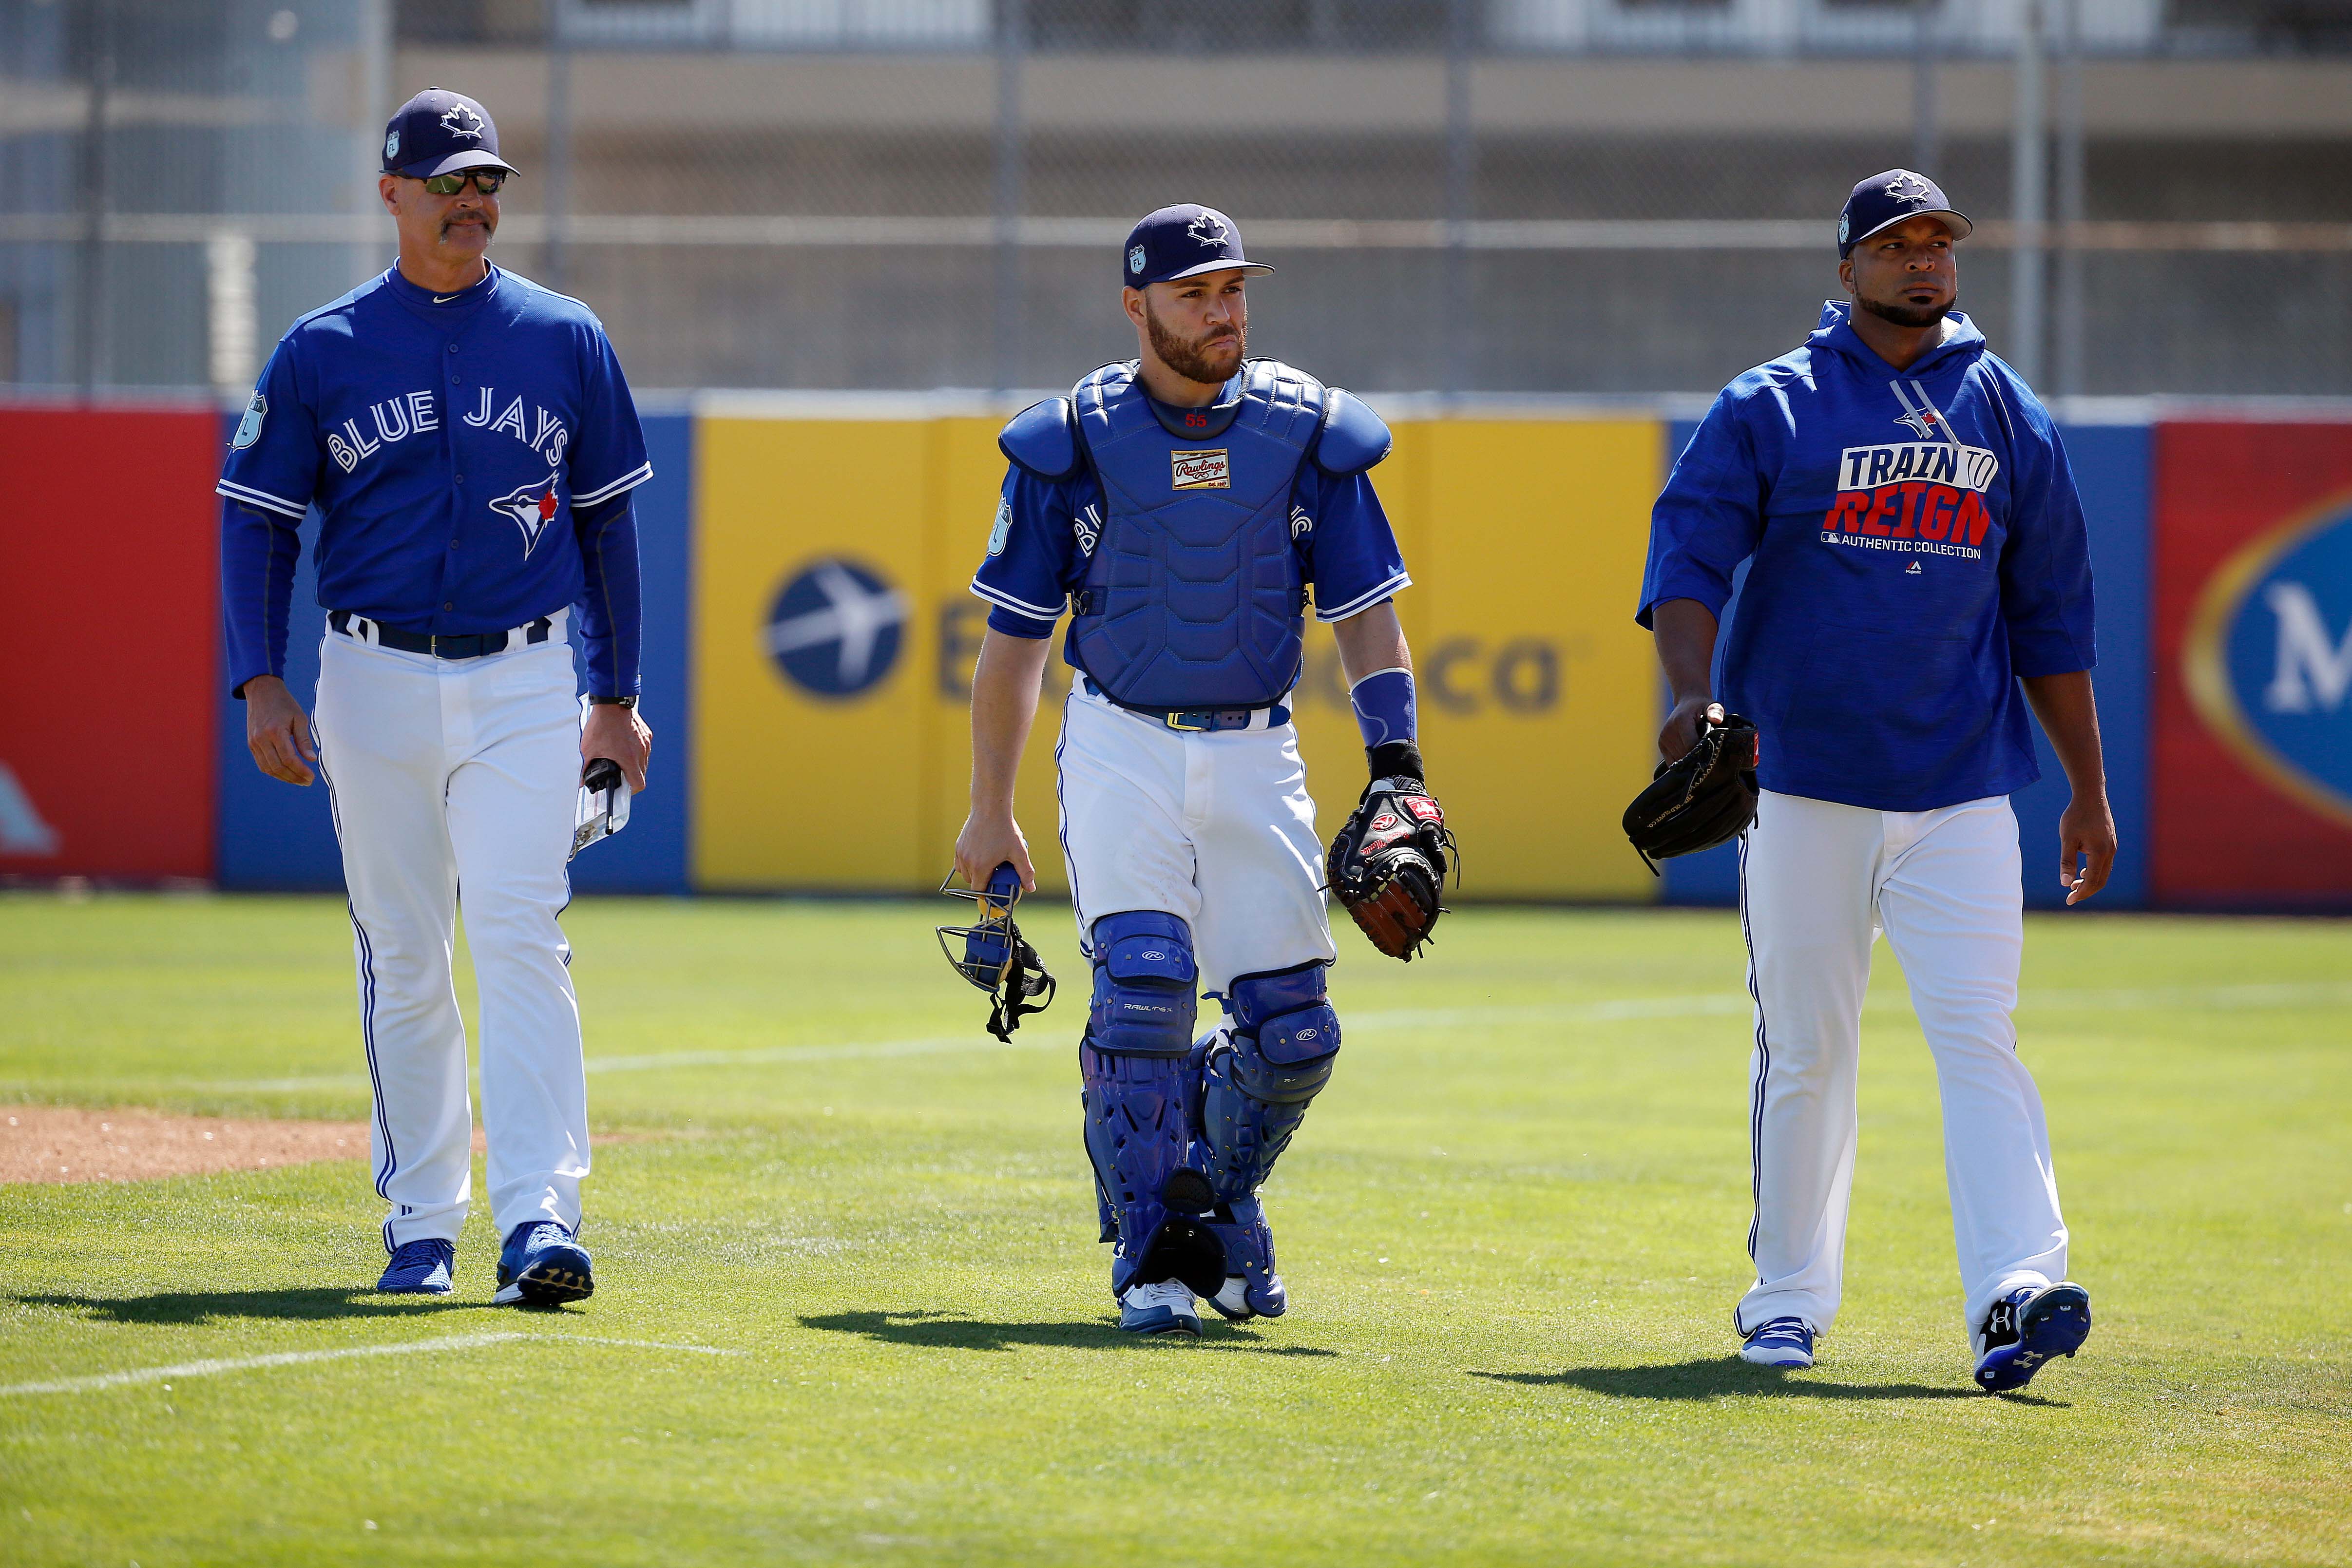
(1138, 1092)
(1256, 1077)
(1256, 1085)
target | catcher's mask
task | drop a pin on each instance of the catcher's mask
(995, 957)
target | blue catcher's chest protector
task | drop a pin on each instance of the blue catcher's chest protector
(1194, 597)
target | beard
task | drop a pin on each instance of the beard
(1909, 315)
(1192, 358)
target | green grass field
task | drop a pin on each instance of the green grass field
(1512, 1231)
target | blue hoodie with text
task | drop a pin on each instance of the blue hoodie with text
(1913, 545)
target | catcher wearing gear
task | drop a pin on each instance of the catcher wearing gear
(1187, 509)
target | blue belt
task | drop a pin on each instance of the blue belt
(1196, 720)
(470, 645)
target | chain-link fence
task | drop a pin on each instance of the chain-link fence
(1518, 197)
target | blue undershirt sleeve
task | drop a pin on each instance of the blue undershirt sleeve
(2046, 602)
(1710, 516)
(611, 619)
(260, 551)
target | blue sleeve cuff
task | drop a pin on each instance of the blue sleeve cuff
(1690, 583)
(1012, 624)
(2048, 653)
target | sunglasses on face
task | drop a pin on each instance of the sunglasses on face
(486, 181)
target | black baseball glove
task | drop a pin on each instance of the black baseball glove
(1387, 864)
(1704, 797)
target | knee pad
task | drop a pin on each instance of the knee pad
(1281, 1039)
(1145, 1000)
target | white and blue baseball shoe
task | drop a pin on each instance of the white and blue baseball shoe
(1786, 1342)
(543, 1266)
(2027, 1328)
(420, 1268)
(1167, 1308)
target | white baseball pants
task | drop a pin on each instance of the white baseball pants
(1817, 882)
(1217, 829)
(456, 782)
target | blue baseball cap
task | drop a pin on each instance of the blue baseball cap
(440, 132)
(1182, 241)
(1893, 197)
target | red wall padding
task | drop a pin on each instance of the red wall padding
(107, 634)
(2223, 834)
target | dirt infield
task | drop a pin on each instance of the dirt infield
(55, 1143)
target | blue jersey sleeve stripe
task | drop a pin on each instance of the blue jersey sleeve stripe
(1362, 602)
(629, 480)
(246, 493)
(1018, 606)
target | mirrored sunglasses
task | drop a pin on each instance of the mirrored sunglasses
(486, 181)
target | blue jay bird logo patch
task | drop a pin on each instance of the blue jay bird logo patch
(530, 508)
(249, 429)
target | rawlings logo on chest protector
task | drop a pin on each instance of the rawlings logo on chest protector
(1200, 470)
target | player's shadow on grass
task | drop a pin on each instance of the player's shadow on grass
(937, 1330)
(205, 1306)
(1726, 1378)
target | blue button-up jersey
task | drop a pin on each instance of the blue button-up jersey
(469, 456)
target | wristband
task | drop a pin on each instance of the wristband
(1385, 707)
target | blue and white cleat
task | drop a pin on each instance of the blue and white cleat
(420, 1268)
(1167, 1308)
(541, 1265)
(1785, 1343)
(2025, 1329)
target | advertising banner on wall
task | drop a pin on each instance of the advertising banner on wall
(2253, 740)
(107, 764)
(834, 638)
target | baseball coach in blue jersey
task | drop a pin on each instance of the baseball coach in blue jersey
(1918, 577)
(1180, 507)
(470, 444)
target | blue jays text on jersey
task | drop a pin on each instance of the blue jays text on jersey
(471, 456)
(1913, 544)
(1042, 549)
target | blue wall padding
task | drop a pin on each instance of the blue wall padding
(276, 836)
(650, 855)
(2112, 472)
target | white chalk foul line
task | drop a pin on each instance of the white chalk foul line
(188, 1369)
(2284, 995)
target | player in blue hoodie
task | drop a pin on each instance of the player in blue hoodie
(1914, 556)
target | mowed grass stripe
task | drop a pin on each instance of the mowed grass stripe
(190, 1368)
(1626, 1009)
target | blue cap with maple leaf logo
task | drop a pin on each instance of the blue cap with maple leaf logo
(1884, 200)
(1182, 241)
(439, 133)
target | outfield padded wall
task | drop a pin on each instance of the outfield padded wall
(107, 764)
(835, 630)
(2254, 646)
